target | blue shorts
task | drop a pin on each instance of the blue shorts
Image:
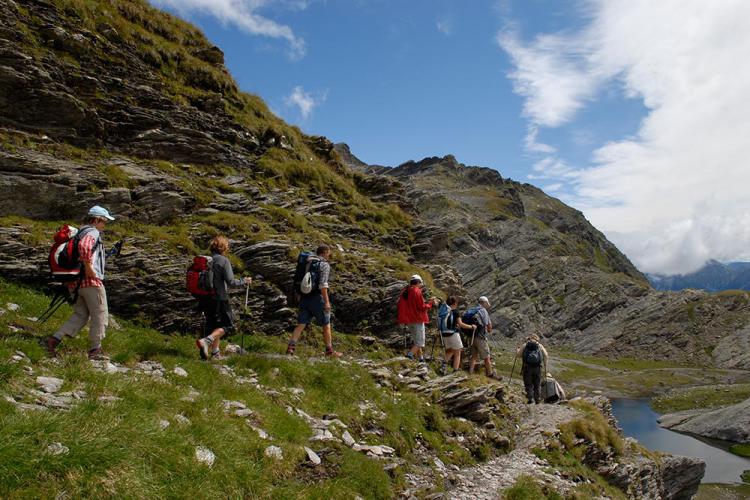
(313, 306)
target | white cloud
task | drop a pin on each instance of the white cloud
(304, 101)
(676, 193)
(444, 26)
(244, 15)
(531, 144)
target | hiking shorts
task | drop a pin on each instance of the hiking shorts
(480, 348)
(218, 314)
(313, 306)
(453, 342)
(417, 333)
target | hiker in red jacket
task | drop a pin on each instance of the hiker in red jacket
(412, 311)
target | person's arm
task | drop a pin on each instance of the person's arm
(229, 275)
(519, 352)
(325, 274)
(421, 304)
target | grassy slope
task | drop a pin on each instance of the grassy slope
(118, 449)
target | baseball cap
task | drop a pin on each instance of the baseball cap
(416, 277)
(484, 300)
(97, 211)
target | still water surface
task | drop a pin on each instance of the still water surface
(638, 420)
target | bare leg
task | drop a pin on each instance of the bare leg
(414, 350)
(472, 362)
(456, 359)
(488, 366)
(327, 336)
(297, 333)
(215, 336)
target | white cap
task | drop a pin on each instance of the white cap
(484, 300)
(97, 211)
(416, 277)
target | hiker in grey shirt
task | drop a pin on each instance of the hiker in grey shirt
(480, 349)
(216, 308)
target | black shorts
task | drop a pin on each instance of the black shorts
(218, 314)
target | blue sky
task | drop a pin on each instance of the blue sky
(642, 127)
(403, 80)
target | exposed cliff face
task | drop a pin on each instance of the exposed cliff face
(546, 270)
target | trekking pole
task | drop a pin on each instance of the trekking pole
(512, 369)
(242, 334)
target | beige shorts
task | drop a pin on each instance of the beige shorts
(453, 342)
(480, 348)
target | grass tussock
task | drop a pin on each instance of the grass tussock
(527, 488)
(592, 428)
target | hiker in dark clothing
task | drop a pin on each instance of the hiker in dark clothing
(216, 308)
(317, 305)
(534, 358)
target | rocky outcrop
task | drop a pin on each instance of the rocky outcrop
(731, 423)
(670, 477)
(547, 270)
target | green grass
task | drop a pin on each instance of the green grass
(723, 492)
(742, 450)
(681, 399)
(746, 476)
(117, 449)
(593, 428)
(527, 488)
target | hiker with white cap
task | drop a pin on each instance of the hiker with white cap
(412, 312)
(91, 304)
(480, 320)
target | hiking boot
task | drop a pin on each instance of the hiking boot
(290, 349)
(333, 354)
(217, 356)
(410, 355)
(98, 355)
(204, 347)
(51, 344)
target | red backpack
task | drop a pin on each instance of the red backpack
(200, 277)
(64, 259)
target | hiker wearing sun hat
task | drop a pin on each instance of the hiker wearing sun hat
(91, 305)
(412, 312)
(480, 350)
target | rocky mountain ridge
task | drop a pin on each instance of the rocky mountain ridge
(714, 276)
(546, 270)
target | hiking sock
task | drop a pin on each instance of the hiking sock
(215, 353)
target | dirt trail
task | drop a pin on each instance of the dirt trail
(485, 481)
